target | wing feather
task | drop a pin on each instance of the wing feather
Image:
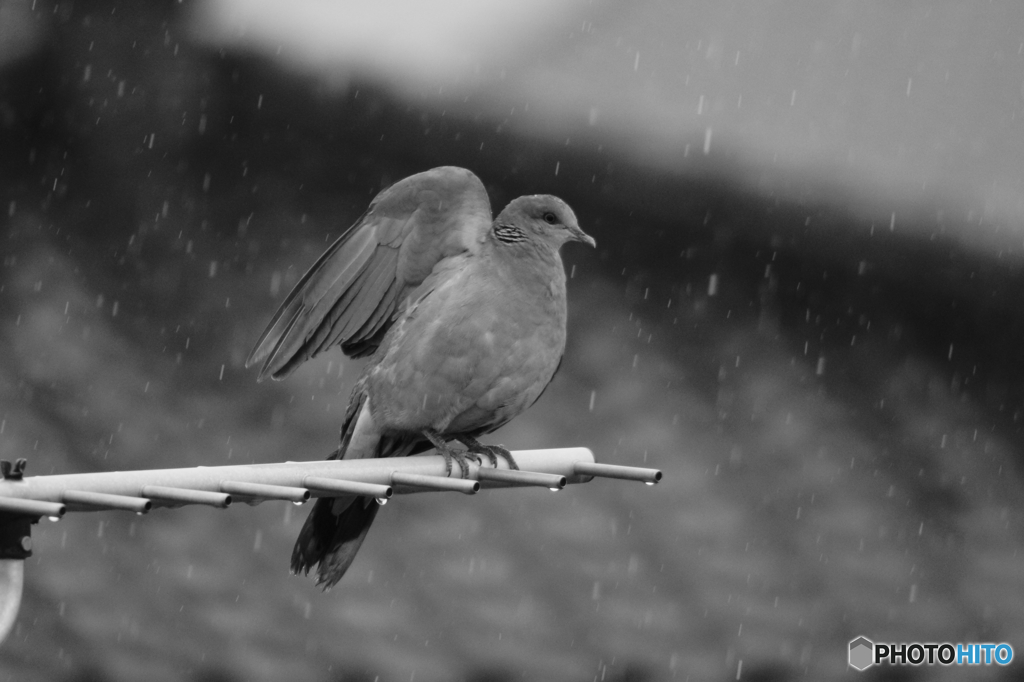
(331, 326)
(352, 310)
(351, 295)
(381, 316)
(375, 281)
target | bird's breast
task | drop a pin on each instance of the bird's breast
(479, 348)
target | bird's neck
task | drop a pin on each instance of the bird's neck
(507, 234)
(531, 264)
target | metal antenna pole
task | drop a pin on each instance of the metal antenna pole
(25, 499)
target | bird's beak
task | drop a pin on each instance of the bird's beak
(581, 236)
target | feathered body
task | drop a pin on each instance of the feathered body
(464, 320)
(475, 351)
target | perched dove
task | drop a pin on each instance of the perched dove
(463, 319)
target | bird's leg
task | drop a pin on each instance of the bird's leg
(491, 452)
(442, 448)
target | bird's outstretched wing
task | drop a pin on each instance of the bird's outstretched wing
(352, 293)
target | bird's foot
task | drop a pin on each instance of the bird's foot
(461, 457)
(491, 452)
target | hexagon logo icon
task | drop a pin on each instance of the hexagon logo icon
(862, 652)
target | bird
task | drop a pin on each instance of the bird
(462, 318)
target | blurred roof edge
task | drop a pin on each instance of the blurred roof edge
(537, 71)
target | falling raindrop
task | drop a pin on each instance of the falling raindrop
(55, 519)
(554, 490)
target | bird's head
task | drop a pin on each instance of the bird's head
(539, 217)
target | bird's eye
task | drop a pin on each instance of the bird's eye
(550, 218)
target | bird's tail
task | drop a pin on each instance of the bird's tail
(330, 541)
(336, 526)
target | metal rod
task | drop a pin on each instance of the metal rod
(15, 505)
(50, 488)
(459, 485)
(341, 486)
(515, 478)
(12, 583)
(186, 496)
(265, 490)
(139, 505)
(650, 476)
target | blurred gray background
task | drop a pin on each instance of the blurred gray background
(806, 308)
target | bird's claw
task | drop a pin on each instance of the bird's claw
(460, 457)
(491, 452)
(474, 450)
(501, 451)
